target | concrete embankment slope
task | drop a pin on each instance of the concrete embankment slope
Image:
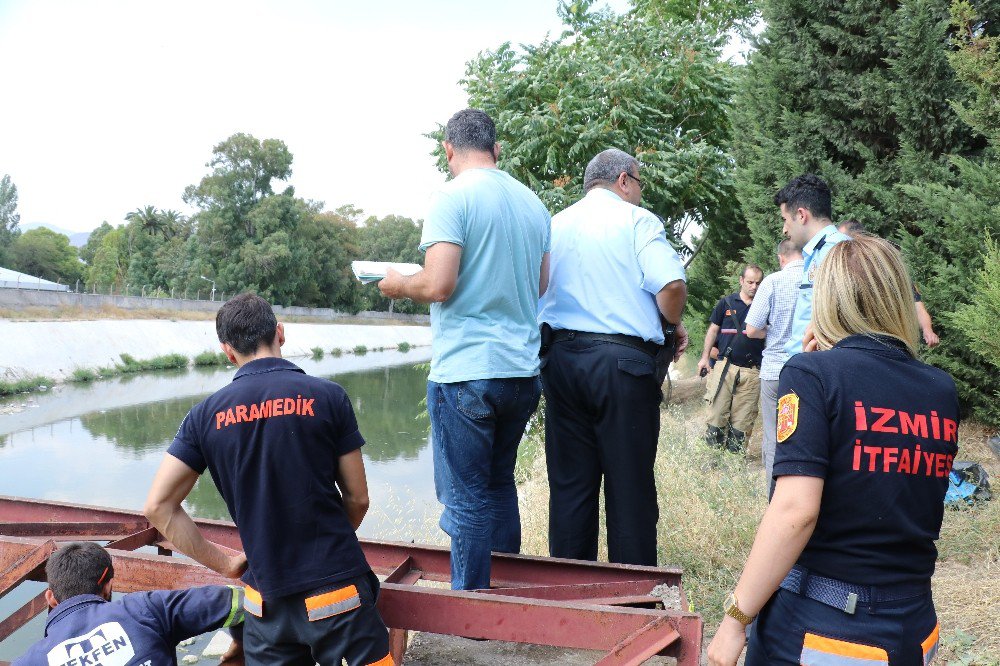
(57, 348)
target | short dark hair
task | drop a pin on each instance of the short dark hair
(245, 322)
(752, 267)
(808, 191)
(471, 129)
(787, 247)
(78, 568)
(852, 226)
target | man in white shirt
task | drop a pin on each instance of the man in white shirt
(613, 276)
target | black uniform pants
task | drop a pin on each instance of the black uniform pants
(792, 629)
(602, 417)
(340, 622)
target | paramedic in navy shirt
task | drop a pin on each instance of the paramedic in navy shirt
(86, 627)
(285, 453)
(840, 571)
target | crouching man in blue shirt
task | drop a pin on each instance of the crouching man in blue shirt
(86, 628)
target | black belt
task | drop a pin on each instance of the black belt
(845, 596)
(740, 365)
(651, 348)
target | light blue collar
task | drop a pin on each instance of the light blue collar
(814, 241)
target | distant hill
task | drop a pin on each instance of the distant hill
(76, 238)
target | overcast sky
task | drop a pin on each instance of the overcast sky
(109, 106)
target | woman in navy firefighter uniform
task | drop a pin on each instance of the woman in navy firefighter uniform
(840, 570)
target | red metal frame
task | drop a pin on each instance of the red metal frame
(545, 601)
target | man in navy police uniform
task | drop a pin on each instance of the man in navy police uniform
(86, 628)
(284, 451)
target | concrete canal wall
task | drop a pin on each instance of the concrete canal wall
(24, 298)
(57, 348)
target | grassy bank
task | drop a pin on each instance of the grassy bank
(711, 504)
(130, 365)
(26, 385)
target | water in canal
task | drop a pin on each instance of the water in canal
(101, 444)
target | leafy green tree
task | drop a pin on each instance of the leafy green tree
(846, 90)
(864, 94)
(109, 264)
(651, 82)
(977, 319)
(332, 243)
(242, 170)
(956, 202)
(88, 249)
(391, 238)
(719, 15)
(9, 217)
(44, 253)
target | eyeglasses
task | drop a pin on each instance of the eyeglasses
(633, 177)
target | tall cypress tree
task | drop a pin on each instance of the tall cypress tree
(954, 205)
(862, 93)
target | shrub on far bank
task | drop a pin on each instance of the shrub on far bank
(209, 359)
(130, 365)
(361, 350)
(84, 375)
(26, 385)
(317, 353)
(336, 351)
(404, 347)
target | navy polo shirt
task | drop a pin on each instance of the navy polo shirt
(140, 628)
(730, 315)
(882, 429)
(271, 440)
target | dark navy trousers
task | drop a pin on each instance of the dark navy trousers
(602, 418)
(792, 629)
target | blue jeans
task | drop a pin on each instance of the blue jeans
(476, 427)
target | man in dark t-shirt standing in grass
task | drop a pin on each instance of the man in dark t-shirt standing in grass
(734, 384)
(284, 451)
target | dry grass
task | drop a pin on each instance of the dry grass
(711, 504)
(967, 580)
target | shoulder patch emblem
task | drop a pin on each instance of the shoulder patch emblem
(788, 416)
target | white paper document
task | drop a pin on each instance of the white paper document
(373, 271)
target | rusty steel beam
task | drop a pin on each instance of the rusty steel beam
(383, 556)
(644, 643)
(146, 537)
(546, 601)
(513, 570)
(27, 564)
(93, 530)
(19, 509)
(468, 614)
(580, 592)
(23, 615)
(515, 619)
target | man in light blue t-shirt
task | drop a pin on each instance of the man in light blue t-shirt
(806, 209)
(486, 240)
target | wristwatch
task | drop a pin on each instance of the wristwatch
(732, 609)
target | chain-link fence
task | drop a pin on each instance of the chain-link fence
(148, 291)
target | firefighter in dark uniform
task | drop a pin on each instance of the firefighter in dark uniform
(733, 388)
(85, 627)
(840, 571)
(284, 451)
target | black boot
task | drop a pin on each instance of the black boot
(737, 440)
(715, 437)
